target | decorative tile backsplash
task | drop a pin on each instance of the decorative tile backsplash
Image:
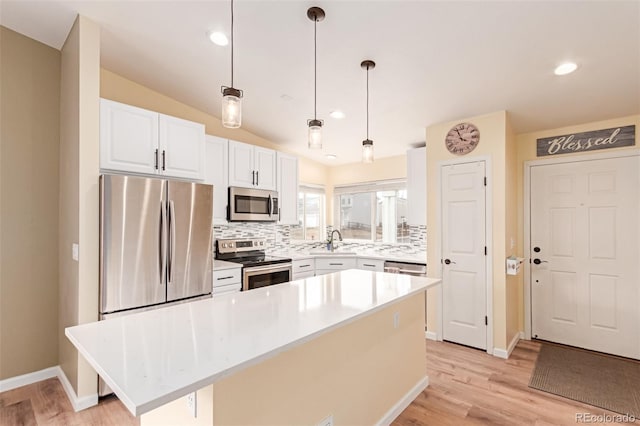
(279, 238)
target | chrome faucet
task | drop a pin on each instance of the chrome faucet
(331, 239)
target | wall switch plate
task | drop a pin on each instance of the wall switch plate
(75, 251)
(192, 404)
(328, 421)
(396, 320)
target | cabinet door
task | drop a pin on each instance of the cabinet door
(265, 167)
(287, 188)
(128, 138)
(241, 171)
(417, 186)
(217, 174)
(181, 144)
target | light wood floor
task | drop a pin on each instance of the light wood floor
(467, 386)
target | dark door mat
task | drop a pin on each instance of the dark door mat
(604, 381)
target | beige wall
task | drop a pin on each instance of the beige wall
(493, 139)
(79, 167)
(355, 373)
(526, 144)
(30, 102)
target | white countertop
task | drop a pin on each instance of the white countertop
(394, 257)
(154, 357)
(219, 265)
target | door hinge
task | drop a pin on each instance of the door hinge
(486, 320)
(485, 250)
(485, 181)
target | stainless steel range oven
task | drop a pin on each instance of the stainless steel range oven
(258, 269)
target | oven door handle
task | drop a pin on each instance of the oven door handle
(269, 206)
(270, 268)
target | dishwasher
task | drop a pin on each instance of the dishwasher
(408, 268)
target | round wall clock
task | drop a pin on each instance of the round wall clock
(462, 138)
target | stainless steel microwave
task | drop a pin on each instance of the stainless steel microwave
(252, 205)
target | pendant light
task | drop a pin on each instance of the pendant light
(231, 97)
(367, 144)
(316, 14)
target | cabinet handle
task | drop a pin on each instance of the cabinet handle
(156, 160)
(336, 264)
(368, 264)
(253, 177)
(224, 278)
(164, 159)
(257, 179)
(304, 266)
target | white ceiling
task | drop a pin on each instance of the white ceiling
(436, 61)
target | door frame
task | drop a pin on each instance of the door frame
(488, 205)
(528, 312)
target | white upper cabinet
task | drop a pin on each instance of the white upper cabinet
(128, 138)
(217, 160)
(417, 186)
(251, 166)
(287, 188)
(181, 146)
(265, 164)
(137, 140)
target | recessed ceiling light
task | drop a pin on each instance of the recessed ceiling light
(331, 156)
(218, 38)
(337, 114)
(566, 68)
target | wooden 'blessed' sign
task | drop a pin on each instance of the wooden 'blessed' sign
(587, 141)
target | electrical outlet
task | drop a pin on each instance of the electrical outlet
(396, 320)
(192, 404)
(75, 251)
(326, 421)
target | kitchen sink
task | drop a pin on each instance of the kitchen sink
(332, 253)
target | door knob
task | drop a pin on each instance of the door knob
(538, 261)
(447, 262)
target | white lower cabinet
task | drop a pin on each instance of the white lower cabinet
(329, 264)
(303, 268)
(227, 281)
(376, 265)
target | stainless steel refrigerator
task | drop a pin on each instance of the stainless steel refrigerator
(155, 243)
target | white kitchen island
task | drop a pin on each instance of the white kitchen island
(349, 345)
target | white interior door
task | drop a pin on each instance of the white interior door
(463, 254)
(584, 249)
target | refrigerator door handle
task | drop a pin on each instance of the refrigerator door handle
(172, 240)
(162, 231)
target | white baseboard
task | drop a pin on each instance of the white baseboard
(28, 379)
(77, 403)
(48, 373)
(501, 353)
(431, 335)
(406, 400)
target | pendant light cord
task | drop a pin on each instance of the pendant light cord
(231, 43)
(315, 68)
(367, 102)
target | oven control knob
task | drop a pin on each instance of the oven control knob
(230, 245)
(261, 243)
(224, 245)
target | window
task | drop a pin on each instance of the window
(311, 211)
(373, 211)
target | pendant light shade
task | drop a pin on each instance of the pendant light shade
(315, 134)
(367, 151)
(316, 14)
(367, 144)
(231, 107)
(231, 97)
